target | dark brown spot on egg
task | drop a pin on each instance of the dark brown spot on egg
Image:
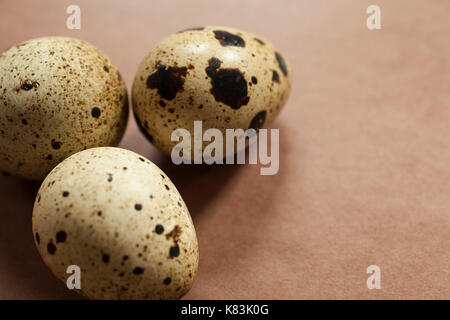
(105, 258)
(228, 85)
(162, 103)
(167, 281)
(51, 248)
(259, 41)
(95, 112)
(174, 234)
(138, 270)
(24, 121)
(106, 68)
(61, 236)
(142, 128)
(138, 207)
(254, 80)
(174, 251)
(192, 29)
(65, 194)
(227, 39)
(167, 80)
(281, 63)
(258, 120)
(56, 144)
(159, 229)
(275, 76)
(38, 239)
(26, 86)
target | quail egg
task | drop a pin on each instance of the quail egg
(118, 218)
(58, 96)
(227, 78)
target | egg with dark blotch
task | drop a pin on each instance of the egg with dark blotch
(58, 96)
(120, 219)
(229, 79)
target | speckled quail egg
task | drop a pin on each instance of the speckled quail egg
(227, 78)
(120, 219)
(58, 96)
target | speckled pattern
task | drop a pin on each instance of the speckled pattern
(120, 218)
(58, 96)
(225, 77)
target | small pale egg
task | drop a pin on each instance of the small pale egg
(119, 218)
(58, 96)
(227, 78)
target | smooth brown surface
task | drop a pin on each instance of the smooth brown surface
(364, 151)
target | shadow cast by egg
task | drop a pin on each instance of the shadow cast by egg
(232, 236)
(21, 266)
(198, 184)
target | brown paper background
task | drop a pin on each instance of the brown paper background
(364, 151)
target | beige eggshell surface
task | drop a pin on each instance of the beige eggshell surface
(119, 218)
(227, 78)
(58, 96)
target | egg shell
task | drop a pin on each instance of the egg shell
(227, 78)
(58, 96)
(119, 218)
